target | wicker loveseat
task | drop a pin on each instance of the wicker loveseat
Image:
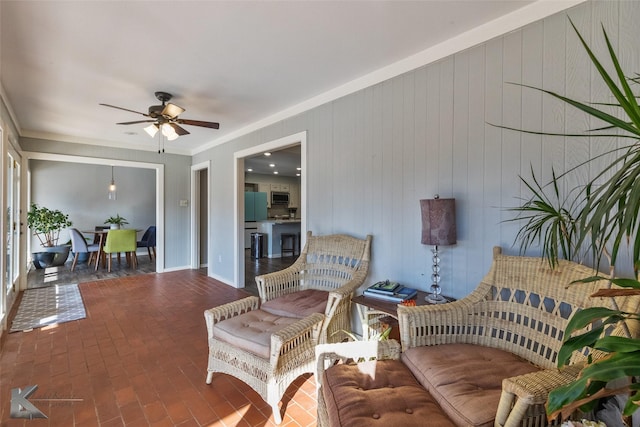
(487, 359)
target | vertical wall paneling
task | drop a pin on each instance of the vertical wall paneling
(605, 14)
(532, 73)
(493, 144)
(395, 203)
(407, 215)
(553, 79)
(365, 167)
(388, 186)
(459, 161)
(474, 214)
(445, 154)
(511, 116)
(373, 154)
(421, 154)
(578, 87)
(376, 178)
(344, 160)
(433, 128)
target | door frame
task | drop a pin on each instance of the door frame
(238, 201)
(195, 211)
(158, 167)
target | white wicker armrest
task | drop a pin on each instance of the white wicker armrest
(296, 341)
(328, 354)
(437, 323)
(226, 311)
(278, 283)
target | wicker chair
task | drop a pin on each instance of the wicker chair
(336, 263)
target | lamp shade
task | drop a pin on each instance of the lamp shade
(438, 221)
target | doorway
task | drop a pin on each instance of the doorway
(158, 171)
(299, 139)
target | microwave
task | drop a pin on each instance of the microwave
(279, 198)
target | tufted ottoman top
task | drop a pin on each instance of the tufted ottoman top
(378, 393)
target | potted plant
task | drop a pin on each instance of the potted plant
(46, 225)
(116, 221)
(600, 219)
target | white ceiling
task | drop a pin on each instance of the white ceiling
(240, 63)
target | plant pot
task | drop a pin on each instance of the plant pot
(51, 256)
(115, 227)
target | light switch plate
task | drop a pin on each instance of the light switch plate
(184, 203)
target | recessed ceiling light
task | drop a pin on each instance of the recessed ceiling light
(275, 172)
(249, 170)
(267, 154)
(298, 168)
(272, 165)
(297, 174)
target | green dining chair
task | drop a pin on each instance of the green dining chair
(121, 241)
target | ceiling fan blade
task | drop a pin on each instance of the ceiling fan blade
(125, 109)
(136, 122)
(172, 111)
(200, 123)
(179, 130)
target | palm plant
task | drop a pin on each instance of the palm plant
(602, 218)
(549, 221)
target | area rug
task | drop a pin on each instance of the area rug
(46, 306)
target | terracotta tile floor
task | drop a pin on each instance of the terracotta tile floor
(138, 359)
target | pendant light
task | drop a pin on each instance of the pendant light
(112, 187)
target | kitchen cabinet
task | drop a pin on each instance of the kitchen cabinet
(265, 188)
(280, 187)
(294, 196)
(255, 206)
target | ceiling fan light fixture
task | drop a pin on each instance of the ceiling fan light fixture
(172, 110)
(151, 130)
(169, 132)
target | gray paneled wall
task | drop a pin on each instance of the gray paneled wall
(373, 154)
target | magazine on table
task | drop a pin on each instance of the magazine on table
(400, 293)
(385, 287)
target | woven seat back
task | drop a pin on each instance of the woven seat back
(523, 306)
(331, 261)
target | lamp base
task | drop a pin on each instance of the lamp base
(435, 299)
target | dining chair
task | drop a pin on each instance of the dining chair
(123, 240)
(79, 245)
(149, 241)
(96, 237)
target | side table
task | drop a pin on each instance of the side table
(371, 310)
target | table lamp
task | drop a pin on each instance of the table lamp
(438, 229)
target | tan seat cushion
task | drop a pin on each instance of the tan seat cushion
(251, 331)
(298, 304)
(465, 379)
(382, 393)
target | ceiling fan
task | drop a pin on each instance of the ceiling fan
(165, 118)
